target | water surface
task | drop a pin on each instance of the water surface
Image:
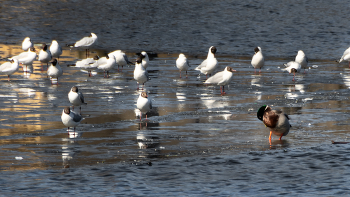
(195, 141)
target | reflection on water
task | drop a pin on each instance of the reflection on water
(68, 149)
(186, 113)
(219, 137)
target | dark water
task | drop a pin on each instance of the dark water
(195, 142)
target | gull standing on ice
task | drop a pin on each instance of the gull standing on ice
(302, 59)
(144, 104)
(182, 63)
(292, 67)
(121, 58)
(55, 49)
(8, 68)
(86, 42)
(44, 56)
(258, 59)
(26, 58)
(54, 71)
(26, 44)
(76, 98)
(346, 56)
(221, 78)
(209, 64)
(275, 120)
(140, 73)
(88, 64)
(106, 64)
(70, 118)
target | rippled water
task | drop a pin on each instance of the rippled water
(195, 142)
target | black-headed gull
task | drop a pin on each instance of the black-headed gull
(292, 67)
(8, 68)
(144, 104)
(26, 44)
(210, 64)
(121, 58)
(275, 120)
(54, 70)
(145, 59)
(86, 42)
(88, 64)
(346, 56)
(182, 63)
(55, 49)
(44, 56)
(221, 78)
(70, 118)
(140, 73)
(106, 64)
(26, 58)
(302, 59)
(76, 98)
(258, 60)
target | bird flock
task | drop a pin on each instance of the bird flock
(276, 120)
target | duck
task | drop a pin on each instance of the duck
(182, 63)
(54, 70)
(76, 97)
(258, 59)
(221, 78)
(275, 120)
(302, 59)
(55, 49)
(26, 44)
(144, 104)
(140, 73)
(8, 68)
(44, 56)
(70, 118)
(292, 67)
(210, 64)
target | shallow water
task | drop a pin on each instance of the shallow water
(194, 142)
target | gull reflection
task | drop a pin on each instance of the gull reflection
(181, 98)
(52, 92)
(346, 79)
(29, 91)
(67, 149)
(256, 81)
(293, 91)
(27, 70)
(147, 141)
(214, 102)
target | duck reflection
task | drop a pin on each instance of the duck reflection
(277, 144)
